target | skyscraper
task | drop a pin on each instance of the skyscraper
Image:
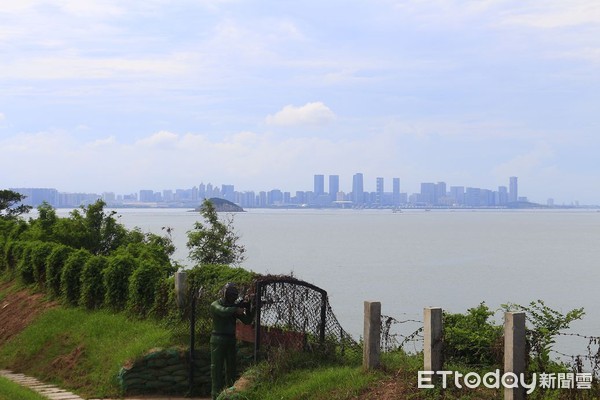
(513, 189)
(428, 193)
(380, 191)
(396, 191)
(357, 189)
(319, 185)
(334, 186)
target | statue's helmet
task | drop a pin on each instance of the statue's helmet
(229, 293)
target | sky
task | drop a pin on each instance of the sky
(117, 96)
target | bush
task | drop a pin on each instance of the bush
(70, 278)
(116, 280)
(54, 266)
(164, 298)
(142, 287)
(12, 254)
(25, 264)
(92, 285)
(5, 254)
(39, 259)
(213, 277)
(471, 339)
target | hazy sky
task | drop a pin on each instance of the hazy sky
(127, 95)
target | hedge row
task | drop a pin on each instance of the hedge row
(120, 281)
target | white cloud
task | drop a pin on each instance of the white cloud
(162, 138)
(74, 66)
(534, 160)
(314, 114)
(109, 141)
(555, 14)
(2, 116)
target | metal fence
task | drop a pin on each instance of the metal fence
(291, 313)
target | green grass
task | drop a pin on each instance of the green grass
(81, 350)
(9, 390)
(331, 383)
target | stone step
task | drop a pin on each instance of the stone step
(49, 391)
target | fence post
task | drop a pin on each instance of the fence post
(432, 344)
(372, 334)
(180, 288)
(514, 352)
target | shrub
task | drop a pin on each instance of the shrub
(39, 258)
(142, 287)
(70, 278)
(164, 298)
(471, 339)
(25, 264)
(12, 254)
(92, 285)
(5, 254)
(3, 242)
(116, 280)
(212, 277)
(54, 266)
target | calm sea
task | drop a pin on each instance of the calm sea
(414, 259)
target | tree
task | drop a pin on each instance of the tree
(10, 206)
(214, 242)
(91, 228)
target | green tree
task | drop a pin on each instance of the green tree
(91, 228)
(214, 241)
(42, 227)
(10, 206)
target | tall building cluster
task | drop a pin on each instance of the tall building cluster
(430, 195)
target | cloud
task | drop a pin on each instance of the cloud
(556, 14)
(74, 67)
(2, 116)
(159, 139)
(526, 163)
(313, 114)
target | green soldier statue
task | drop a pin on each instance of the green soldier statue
(224, 313)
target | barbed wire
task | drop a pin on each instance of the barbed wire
(391, 341)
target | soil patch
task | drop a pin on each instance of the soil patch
(17, 310)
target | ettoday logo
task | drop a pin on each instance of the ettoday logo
(496, 380)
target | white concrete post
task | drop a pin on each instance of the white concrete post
(372, 335)
(180, 288)
(514, 352)
(432, 332)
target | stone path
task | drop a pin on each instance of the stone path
(50, 391)
(55, 393)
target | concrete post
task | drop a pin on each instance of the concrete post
(180, 288)
(514, 352)
(432, 346)
(372, 335)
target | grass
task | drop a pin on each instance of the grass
(81, 350)
(322, 383)
(10, 390)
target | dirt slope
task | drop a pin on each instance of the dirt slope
(18, 309)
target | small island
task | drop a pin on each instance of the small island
(222, 205)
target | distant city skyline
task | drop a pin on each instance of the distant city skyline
(438, 194)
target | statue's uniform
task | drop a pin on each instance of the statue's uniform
(223, 344)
